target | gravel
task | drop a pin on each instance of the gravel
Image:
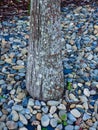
(79, 107)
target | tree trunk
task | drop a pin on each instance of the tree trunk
(44, 68)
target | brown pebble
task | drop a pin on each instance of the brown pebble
(38, 116)
(72, 106)
(64, 102)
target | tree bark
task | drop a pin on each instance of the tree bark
(44, 79)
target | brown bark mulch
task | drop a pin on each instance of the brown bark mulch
(10, 8)
(78, 2)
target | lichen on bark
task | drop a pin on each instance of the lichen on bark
(44, 68)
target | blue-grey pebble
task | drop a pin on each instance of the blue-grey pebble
(24, 102)
(71, 117)
(37, 103)
(92, 128)
(45, 109)
(69, 127)
(27, 111)
(86, 116)
(1, 114)
(5, 128)
(76, 127)
(17, 108)
(69, 122)
(20, 124)
(10, 103)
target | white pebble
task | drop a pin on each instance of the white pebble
(86, 92)
(75, 113)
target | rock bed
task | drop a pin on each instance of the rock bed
(79, 109)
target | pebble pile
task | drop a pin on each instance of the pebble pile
(79, 108)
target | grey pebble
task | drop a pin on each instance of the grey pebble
(17, 108)
(2, 82)
(2, 125)
(45, 120)
(69, 127)
(1, 114)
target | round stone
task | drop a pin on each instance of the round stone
(20, 62)
(85, 105)
(20, 124)
(59, 127)
(21, 95)
(34, 112)
(1, 113)
(27, 111)
(17, 108)
(86, 92)
(11, 125)
(92, 128)
(3, 118)
(45, 109)
(71, 117)
(37, 103)
(45, 120)
(38, 116)
(5, 128)
(43, 103)
(72, 106)
(53, 122)
(23, 128)
(61, 107)
(12, 91)
(23, 119)
(53, 109)
(69, 127)
(76, 127)
(31, 102)
(95, 124)
(83, 98)
(39, 127)
(53, 103)
(72, 97)
(24, 102)
(15, 116)
(2, 82)
(89, 122)
(86, 116)
(92, 92)
(62, 115)
(36, 123)
(10, 103)
(75, 113)
(2, 125)
(27, 116)
(90, 57)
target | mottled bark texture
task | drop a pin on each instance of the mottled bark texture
(44, 68)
